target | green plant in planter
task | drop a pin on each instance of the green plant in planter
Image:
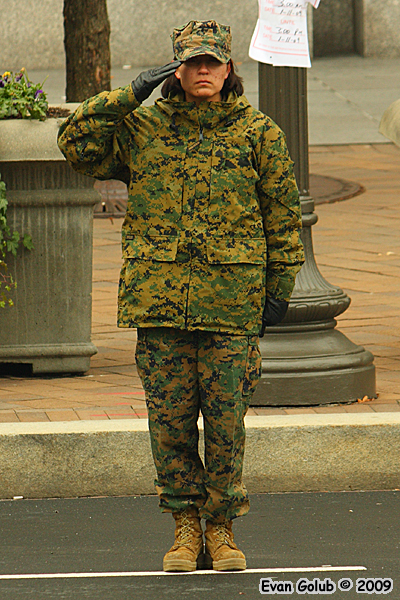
(20, 98)
(9, 242)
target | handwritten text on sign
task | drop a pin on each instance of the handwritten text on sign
(280, 37)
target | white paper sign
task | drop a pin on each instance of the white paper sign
(280, 37)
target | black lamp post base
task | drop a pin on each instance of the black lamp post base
(312, 364)
(306, 361)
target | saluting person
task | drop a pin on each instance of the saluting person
(211, 247)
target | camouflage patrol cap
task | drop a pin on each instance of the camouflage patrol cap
(202, 37)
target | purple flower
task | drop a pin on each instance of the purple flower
(37, 93)
(2, 84)
(19, 77)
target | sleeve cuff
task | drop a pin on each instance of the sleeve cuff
(281, 286)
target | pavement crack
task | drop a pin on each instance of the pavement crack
(341, 97)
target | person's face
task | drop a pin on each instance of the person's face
(202, 78)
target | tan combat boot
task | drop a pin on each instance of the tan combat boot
(188, 546)
(224, 553)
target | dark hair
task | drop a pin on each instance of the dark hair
(233, 83)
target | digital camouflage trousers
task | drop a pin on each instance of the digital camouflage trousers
(183, 373)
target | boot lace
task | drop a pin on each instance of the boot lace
(185, 531)
(223, 534)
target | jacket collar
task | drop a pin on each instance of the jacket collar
(207, 115)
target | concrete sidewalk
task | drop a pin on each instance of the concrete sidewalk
(357, 246)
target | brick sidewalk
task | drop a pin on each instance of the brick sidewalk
(357, 246)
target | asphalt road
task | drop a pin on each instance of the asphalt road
(356, 533)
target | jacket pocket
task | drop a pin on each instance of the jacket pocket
(150, 247)
(237, 157)
(237, 250)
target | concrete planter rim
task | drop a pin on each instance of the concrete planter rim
(30, 139)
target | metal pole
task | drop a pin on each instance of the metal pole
(306, 361)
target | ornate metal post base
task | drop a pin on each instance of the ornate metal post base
(306, 361)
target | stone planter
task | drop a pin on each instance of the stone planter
(49, 326)
(390, 123)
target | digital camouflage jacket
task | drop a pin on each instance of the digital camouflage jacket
(213, 217)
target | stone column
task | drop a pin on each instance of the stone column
(377, 28)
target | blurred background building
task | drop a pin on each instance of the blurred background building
(31, 31)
